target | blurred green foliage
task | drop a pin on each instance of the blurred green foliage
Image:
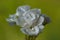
(48, 7)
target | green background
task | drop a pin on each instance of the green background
(48, 7)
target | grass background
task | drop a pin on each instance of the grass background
(48, 7)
